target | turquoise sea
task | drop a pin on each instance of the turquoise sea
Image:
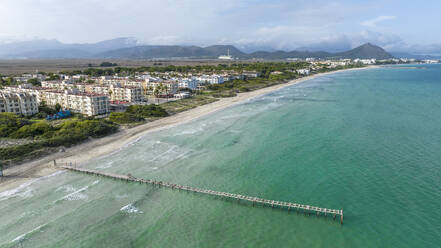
(367, 141)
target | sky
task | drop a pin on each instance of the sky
(396, 25)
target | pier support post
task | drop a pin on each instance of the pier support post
(341, 217)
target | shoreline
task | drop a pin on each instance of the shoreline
(81, 153)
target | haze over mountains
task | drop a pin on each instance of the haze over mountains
(129, 48)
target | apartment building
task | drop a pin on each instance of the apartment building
(126, 94)
(18, 102)
(166, 87)
(27, 88)
(190, 83)
(85, 103)
(211, 79)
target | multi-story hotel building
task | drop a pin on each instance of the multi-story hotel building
(85, 103)
(171, 87)
(18, 102)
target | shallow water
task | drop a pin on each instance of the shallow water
(368, 142)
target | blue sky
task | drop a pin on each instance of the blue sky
(280, 24)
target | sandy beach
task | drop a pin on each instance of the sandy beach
(17, 175)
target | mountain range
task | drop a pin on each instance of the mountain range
(129, 48)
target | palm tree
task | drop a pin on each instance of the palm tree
(156, 93)
(110, 94)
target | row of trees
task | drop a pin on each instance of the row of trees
(262, 67)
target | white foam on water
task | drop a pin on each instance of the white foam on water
(65, 188)
(23, 236)
(105, 165)
(130, 209)
(132, 142)
(24, 190)
(161, 156)
(76, 195)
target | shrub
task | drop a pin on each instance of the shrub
(9, 123)
(33, 130)
(244, 89)
(124, 118)
(146, 111)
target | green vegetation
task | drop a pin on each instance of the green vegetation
(52, 76)
(138, 113)
(146, 111)
(9, 123)
(264, 68)
(34, 82)
(187, 103)
(108, 64)
(124, 118)
(46, 135)
(6, 81)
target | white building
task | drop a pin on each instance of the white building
(251, 74)
(226, 57)
(126, 94)
(85, 103)
(303, 71)
(190, 83)
(18, 103)
(171, 87)
(58, 84)
(211, 79)
(366, 61)
(182, 95)
(26, 88)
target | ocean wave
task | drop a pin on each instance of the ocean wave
(76, 195)
(24, 189)
(105, 165)
(23, 236)
(130, 209)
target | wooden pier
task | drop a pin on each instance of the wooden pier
(306, 209)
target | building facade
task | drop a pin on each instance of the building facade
(18, 103)
(85, 103)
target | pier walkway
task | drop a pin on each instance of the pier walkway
(306, 209)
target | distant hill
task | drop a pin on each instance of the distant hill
(49, 49)
(151, 52)
(129, 48)
(286, 55)
(366, 51)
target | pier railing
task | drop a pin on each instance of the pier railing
(306, 209)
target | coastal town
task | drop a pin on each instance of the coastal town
(100, 95)
(233, 123)
(42, 113)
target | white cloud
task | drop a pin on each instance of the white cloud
(279, 24)
(373, 22)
